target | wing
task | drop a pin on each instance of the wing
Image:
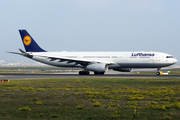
(63, 59)
(75, 60)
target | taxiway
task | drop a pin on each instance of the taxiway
(69, 75)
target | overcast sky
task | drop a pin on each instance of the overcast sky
(91, 25)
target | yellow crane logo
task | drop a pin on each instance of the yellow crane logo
(27, 40)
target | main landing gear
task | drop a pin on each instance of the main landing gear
(158, 71)
(98, 73)
(83, 72)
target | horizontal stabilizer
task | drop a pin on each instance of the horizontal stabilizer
(15, 53)
(24, 54)
(22, 51)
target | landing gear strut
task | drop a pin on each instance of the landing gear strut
(83, 72)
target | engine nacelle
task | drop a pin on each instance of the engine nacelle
(123, 69)
(97, 67)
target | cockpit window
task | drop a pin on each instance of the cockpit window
(169, 56)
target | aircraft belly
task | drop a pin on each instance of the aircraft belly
(143, 65)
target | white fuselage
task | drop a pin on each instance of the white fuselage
(113, 59)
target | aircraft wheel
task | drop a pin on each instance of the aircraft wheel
(101, 73)
(80, 73)
(87, 72)
(83, 72)
(157, 73)
(98, 73)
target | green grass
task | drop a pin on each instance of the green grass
(90, 98)
(29, 69)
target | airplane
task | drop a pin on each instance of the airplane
(97, 62)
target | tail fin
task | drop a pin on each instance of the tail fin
(29, 44)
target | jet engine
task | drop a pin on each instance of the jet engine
(123, 69)
(97, 67)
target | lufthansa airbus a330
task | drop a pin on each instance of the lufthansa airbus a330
(97, 62)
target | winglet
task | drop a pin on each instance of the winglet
(29, 44)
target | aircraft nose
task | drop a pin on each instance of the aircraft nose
(174, 61)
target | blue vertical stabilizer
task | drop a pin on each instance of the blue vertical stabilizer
(29, 44)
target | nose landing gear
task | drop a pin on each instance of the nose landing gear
(158, 71)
